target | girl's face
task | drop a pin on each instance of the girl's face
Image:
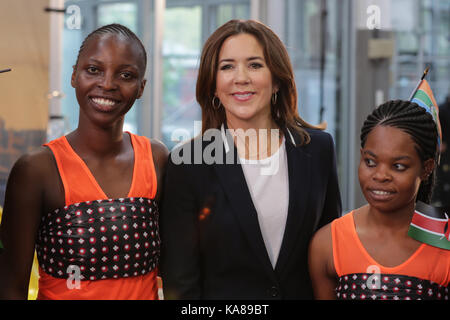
(390, 170)
(244, 82)
(108, 78)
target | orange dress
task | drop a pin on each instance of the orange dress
(95, 247)
(424, 275)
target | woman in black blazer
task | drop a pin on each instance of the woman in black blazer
(243, 199)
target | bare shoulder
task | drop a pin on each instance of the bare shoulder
(322, 240)
(321, 250)
(159, 149)
(160, 153)
(35, 163)
(28, 181)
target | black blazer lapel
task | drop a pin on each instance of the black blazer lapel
(234, 184)
(299, 165)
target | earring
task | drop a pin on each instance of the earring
(274, 98)
(214, 103)
(278, 114)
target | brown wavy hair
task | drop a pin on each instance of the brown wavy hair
(284, 112)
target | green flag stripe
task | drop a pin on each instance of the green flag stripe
(422, 95)
(429, 238)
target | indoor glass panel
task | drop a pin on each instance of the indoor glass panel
(181, 51)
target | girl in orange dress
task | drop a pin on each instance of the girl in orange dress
(367, 253)
(87, 201)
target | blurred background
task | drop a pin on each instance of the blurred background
(349, 56)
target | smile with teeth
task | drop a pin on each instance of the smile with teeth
(104, 102)
(243, 96)
(381, 192)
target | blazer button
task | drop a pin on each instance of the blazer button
(274, 292)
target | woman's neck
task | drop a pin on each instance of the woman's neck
(397, 221)
(101, 142)
(258, 141)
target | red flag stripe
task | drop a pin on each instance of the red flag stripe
(428, 223)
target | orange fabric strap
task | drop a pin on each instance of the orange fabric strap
(79, 183)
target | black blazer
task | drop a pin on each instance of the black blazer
(211, 243)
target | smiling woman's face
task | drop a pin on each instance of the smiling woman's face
(244, 82)
(390, 170)
(108, 78)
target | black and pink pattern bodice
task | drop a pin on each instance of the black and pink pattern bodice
(114, 238)
(369, 286)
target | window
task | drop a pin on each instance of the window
(422, 33)
(181, 50)
(321, 72)
(317, 87)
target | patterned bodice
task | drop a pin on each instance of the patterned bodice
(104, 239)
(367, 286)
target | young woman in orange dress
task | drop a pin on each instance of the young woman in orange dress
(87, 201)
(367, 253)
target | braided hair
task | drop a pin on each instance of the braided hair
(117, 29)
(419, 124)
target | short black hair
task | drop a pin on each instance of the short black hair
(118, 29)
(415, 121)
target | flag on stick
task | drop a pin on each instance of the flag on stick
(423, 96)
(430, 225)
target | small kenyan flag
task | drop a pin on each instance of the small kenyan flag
(430, 225)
